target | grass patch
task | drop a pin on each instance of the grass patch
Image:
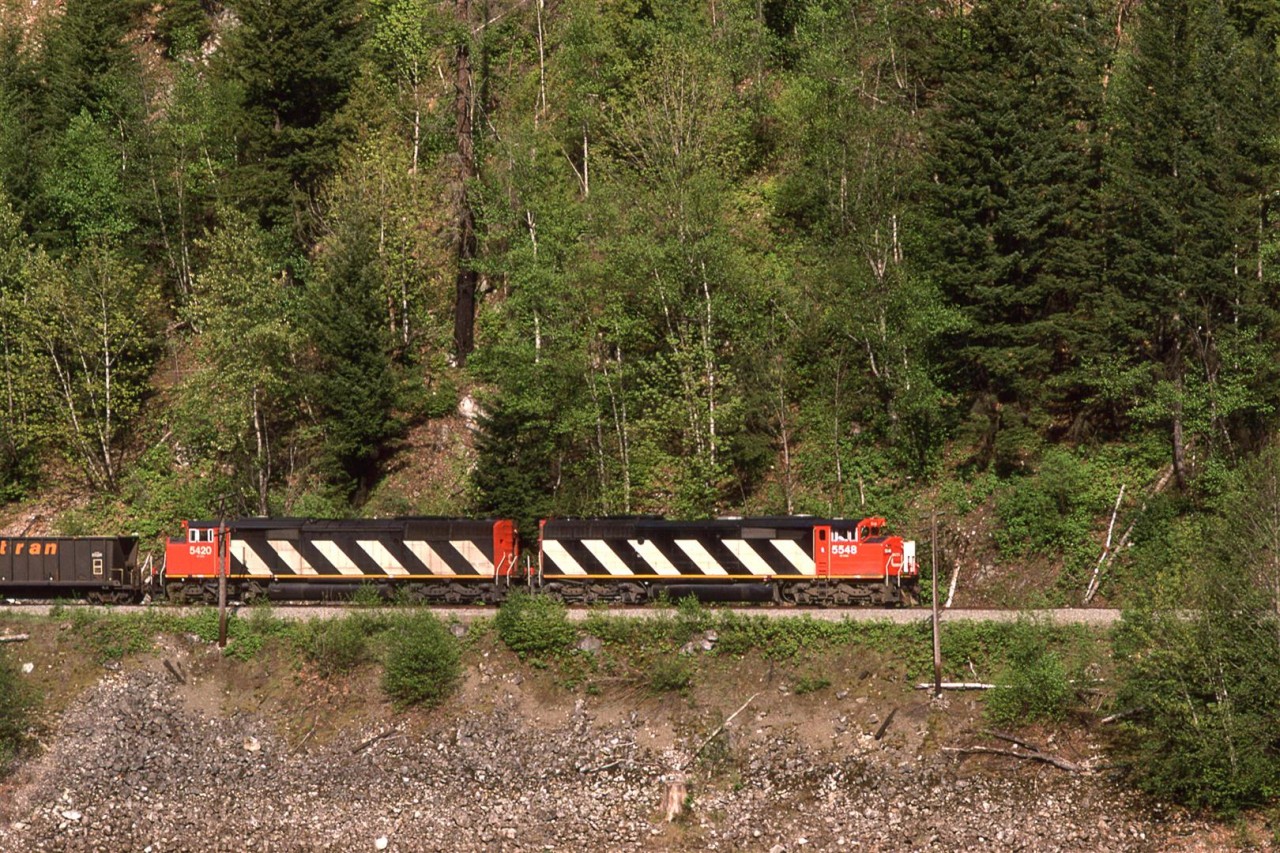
(18, 705)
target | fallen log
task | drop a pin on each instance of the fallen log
(371, 741)
(1120, 715)
(15, 638)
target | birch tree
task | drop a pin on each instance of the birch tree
(92, 324)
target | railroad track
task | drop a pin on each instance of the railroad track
(1065, 616)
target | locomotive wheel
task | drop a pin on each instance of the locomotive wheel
(254, 592)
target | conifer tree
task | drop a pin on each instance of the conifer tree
(1184, 302)
(1011, 200)
(294, 62)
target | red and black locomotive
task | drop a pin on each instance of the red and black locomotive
(784, 559)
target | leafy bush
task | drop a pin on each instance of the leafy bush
(1049, 509)
(336, 645)
(424, 662)
(535, 625)
(1205, 693)
(671, 675)
(810, 684)
(17, 707)
(1034, 684)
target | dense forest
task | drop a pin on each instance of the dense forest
(1014, 262)
(687, 258)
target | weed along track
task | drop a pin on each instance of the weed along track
(1098, 617)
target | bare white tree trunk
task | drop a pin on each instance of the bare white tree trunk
(263, 453)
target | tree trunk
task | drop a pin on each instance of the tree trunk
(464, 314)
(1176, 437)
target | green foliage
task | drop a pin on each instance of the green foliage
(535, 626)
(294, 63)
(671, 674)
(18, 706)
(779, 639)
(1033, 685)
(1206, 690)
(806, 684)
(112, 637)
(351, 377)
(91, 338)
(337, 646)
(423, 665)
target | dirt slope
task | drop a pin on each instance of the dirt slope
(264, 756)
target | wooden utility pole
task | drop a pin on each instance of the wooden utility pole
(937, 643)
(220, 548)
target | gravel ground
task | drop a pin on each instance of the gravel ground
(1098, 617)
(135, 765)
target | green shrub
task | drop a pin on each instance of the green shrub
(1204, 694)
(112, 636)
(368, 595)
(424, 662)
(336, 645)
(1033, 687)
(810, 684)
(535, 625)
(671, 675)
(17, 708)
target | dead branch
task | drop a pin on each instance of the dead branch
(1122, 715)
(1060, 763)
(307, 736)
(1124, 540)
(371, 741)
(719, 729)
(1092, 588)
(601, 768)
(15, 638)
(959, 685)
(1011, 739)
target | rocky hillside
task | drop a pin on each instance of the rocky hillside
(183, 749)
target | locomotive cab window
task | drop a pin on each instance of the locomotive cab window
(201, 534)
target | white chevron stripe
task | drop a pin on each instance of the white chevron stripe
(560, 558)
(253, 564)
(336, 557)
(795, 555)
(704, 561)
(289, 553)
(650, 554)
(429, 557)
(601, 551)
(747, 555)
(473, 555)
(382, 556)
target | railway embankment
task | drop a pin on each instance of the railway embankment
(793, 742)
